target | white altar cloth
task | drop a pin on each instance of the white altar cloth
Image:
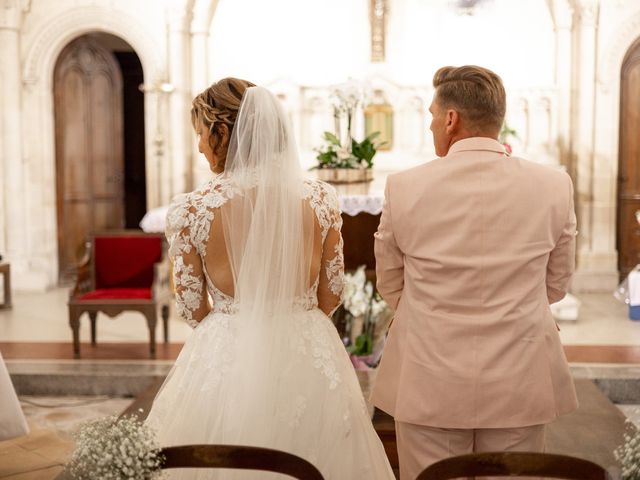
(355, 198)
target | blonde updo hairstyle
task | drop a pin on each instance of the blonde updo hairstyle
(218, 105)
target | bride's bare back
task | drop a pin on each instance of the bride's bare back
(197, 231)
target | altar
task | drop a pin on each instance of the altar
(361, 206)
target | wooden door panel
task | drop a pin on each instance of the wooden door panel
(107, 167)
(630, 145)
(107, 215)
(76, 223)
(630, 233)
(89, 148)
(75, 148)
(629, 164)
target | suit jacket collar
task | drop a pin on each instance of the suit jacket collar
(476, 143)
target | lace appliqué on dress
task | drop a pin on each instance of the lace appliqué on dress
(313, 338)
(324, 200)
(335, 270)
(188, 224)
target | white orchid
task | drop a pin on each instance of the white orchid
(348, 95)
(343, 153)
(361, 301)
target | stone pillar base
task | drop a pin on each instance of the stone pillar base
(36, 275)
(594, 281)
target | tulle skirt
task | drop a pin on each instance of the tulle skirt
(298, 394)
(12, 421)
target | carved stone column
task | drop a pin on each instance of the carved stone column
(179, 123)
(200, 24)
(596, 260)
(562, 14)
(202, 14)
(13, 211)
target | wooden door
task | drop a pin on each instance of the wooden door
(89, 148)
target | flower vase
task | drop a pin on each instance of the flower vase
(345, 175)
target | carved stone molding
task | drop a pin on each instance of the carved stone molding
(378, 17)
(587, 12)
(613, 55)
(561, 14)
(11, 12)
(54, 33)
(203, 11)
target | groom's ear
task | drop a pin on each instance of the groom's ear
(452, 122)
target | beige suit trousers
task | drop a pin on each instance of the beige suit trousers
(420, 446)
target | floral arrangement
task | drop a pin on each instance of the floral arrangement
(341, 150)
(505, 135)
(359, 155)
(113, 448)
(362, 307)
(628, 454)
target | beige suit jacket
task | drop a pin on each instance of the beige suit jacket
(471, 250)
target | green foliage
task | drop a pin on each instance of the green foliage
(332, 155)
(362, 346)
(506, 132)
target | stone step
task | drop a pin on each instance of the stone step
(79, 377)
(128, 378)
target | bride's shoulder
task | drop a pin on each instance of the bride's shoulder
(180, 209)
(216, 192)
(187, 208)
(320, 190)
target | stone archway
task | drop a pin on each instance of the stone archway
(37, 76)
(628, 205)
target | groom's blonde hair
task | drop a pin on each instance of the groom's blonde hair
(475, 92)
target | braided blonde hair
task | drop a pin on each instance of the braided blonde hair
(217, 105)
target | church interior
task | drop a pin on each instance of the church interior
(96, 139)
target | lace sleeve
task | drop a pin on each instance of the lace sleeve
(332, 273)
(188, 277)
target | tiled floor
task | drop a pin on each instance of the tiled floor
(37, 328)
(42, 317)
(41, 454)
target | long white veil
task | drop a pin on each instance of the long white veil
(264, 225)
(269, 233)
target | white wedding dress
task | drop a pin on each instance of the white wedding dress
(264, 366)
(12, 421)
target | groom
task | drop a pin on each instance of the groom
(471, 250)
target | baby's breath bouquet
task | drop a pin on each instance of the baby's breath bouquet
(628, 454)
(113, 448)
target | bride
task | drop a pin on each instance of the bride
(264, 365)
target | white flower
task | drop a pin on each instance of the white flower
(377, 307)
(343, 153)
(115, 448)
(628, 454)
(348, 95)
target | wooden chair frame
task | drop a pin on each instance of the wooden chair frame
(239, 457)
(86, 281)
(508, 464)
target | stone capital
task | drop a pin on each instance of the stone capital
(11, 12)
(587, 12)
(203, 11)
(561, 13)
(178, 19)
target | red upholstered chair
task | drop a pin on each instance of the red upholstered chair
(118, 274)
